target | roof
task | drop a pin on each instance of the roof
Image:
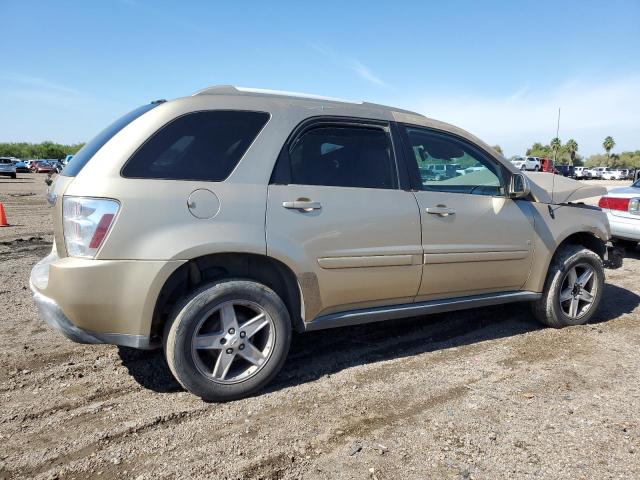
(259, 92)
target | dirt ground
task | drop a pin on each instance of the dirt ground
(482, 394)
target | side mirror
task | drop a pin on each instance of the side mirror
(519, 186)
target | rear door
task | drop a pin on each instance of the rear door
(475, 239)
(337, 216)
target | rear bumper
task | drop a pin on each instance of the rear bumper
(624, 228)
(100, 301)
(51, 313)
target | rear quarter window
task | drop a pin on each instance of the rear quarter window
(204, 146)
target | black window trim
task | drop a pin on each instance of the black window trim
(416, 184)
(141, 146)
(281, 174)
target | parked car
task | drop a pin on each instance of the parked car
(622, 206)
(567, 170)
(613, 174)
(547, 165)
(527, 163)
(21, 167)
(41, 167)
(597, 172)
(7, 168)
(305, 221)
(582, 173)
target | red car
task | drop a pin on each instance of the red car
(41, 167)
(547, 165)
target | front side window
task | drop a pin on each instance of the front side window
(343, 156)
(445, 163)
(204, 146)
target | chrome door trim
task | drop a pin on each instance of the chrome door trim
(368, 261)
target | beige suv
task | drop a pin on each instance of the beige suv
(216, 224)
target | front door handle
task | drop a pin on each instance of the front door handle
(305, 205)
(441, 210)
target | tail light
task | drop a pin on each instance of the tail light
(631, 205)
(86, 222)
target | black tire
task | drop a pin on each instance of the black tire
(180, 329)
(547, 309)
(13, 175)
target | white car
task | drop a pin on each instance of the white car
(597, 172)
(582, 172)
(532, 164)
(613, 174)
(622, 206)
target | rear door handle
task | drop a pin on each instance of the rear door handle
(441, 210)
(306, 205)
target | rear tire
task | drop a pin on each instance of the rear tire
(228, 339)
(573, 288)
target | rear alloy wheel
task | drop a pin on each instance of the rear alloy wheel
(229, 350)
(573, 288)
(228, 339)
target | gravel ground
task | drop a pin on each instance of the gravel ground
(479, 394)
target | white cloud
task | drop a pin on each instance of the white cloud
(37, 83)
(366, 73)
(358, 67)
(590, 110)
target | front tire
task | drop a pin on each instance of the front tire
(573, 288)
(228, 339)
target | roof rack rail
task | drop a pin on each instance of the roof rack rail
(233, 90)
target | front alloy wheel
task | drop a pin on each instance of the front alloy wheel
(573, 288)
(578, 291)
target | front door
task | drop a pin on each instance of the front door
(341, 222)
(475, 239)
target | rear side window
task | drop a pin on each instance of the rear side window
(81, 158)
(198, 146)
(343, 157)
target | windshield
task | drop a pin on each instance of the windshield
(81, 158)
(637, 184)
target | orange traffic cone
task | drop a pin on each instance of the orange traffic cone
(3, 217)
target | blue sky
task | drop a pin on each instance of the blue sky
(497, 68)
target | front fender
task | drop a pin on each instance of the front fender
(557, 224)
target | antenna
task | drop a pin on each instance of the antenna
(555, 155)
(555, 152)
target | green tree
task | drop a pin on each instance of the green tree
(539, 150)
(498, 149)
(572, 148)
(46, 149)
(608, 145)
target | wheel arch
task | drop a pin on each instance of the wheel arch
(205, 269)
(585, 238)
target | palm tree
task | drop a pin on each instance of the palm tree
(572, 147)
(608, 145)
